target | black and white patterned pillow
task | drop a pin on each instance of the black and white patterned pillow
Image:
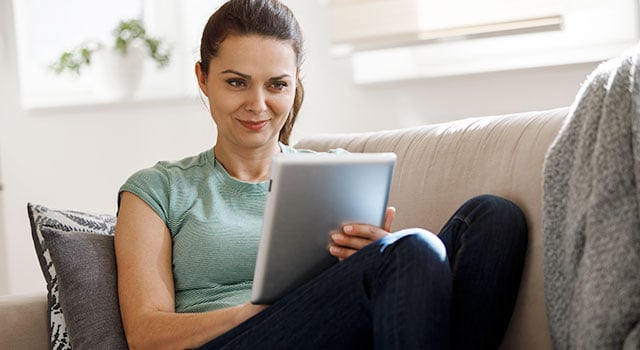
(68, 221)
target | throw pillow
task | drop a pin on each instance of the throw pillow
(86, 272)
(65, 220)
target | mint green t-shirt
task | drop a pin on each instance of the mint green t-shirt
(214, 221)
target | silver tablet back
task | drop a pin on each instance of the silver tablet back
(309, 196)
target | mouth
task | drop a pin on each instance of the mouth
(254, 125)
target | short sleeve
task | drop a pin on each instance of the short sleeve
(152, 185)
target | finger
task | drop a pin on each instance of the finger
(341, 252)
(389, 215)
(349, 242)
(364, 231)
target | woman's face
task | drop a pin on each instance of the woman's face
(250, 87)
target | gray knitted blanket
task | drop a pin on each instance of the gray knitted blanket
(591, 214)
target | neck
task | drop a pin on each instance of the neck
(247, 165)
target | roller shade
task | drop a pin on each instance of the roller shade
(379, 23)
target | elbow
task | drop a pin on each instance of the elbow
(140, 336)
(137, 337)
(138, 341)
(134, 340)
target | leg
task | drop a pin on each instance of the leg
(393, 294)
(412, 310)
(486, 242)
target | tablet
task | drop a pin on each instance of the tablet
(310, 195)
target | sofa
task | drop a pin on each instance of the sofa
(439, 167)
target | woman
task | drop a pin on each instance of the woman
(187, 231)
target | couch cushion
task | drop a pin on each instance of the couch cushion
(86, 270)
(23, 322)
(68, 221)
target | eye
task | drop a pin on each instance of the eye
(278, 85)
(236, 83)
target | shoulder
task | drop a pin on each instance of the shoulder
(166, 175)
(163, 170)
(192, 163)
(155, 185)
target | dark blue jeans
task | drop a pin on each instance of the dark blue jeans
(409, 290)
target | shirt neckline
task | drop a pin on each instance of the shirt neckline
(241, 186)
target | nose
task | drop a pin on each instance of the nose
(256, 101)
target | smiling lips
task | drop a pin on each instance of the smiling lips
(254, 125)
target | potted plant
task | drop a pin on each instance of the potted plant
(117, 67)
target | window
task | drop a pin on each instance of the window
(427, 38)
(45, 29)
(389, 22)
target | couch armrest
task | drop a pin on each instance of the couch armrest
(23, 322)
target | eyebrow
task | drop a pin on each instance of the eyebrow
(247, 76)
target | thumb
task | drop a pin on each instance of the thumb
(390, 213)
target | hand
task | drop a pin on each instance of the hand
(353, 237)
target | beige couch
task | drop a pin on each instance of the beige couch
(439, 167)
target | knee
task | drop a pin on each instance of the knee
(501, 208)
(505, 216)
(416, 245)
(491, 201)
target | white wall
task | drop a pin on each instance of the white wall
(4, 282)
(4, 102)
(76, 158)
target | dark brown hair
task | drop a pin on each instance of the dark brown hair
(268, 18)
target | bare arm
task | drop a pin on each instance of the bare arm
(146, 288)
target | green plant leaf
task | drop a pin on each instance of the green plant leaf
(72, 60)
(126, 33)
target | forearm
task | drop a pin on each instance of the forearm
(169, 330)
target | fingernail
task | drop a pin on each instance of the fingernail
(333, 249)
(336, 237)
(347, 228)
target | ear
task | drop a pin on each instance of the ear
(202, 78)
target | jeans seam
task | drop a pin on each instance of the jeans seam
(463, 218)
(397, 295)
(460, 249)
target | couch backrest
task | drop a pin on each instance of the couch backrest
(441, 165)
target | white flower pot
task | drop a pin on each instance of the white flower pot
(117, 76)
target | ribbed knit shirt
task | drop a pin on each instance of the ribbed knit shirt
(214, 221)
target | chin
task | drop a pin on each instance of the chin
(258, 141)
